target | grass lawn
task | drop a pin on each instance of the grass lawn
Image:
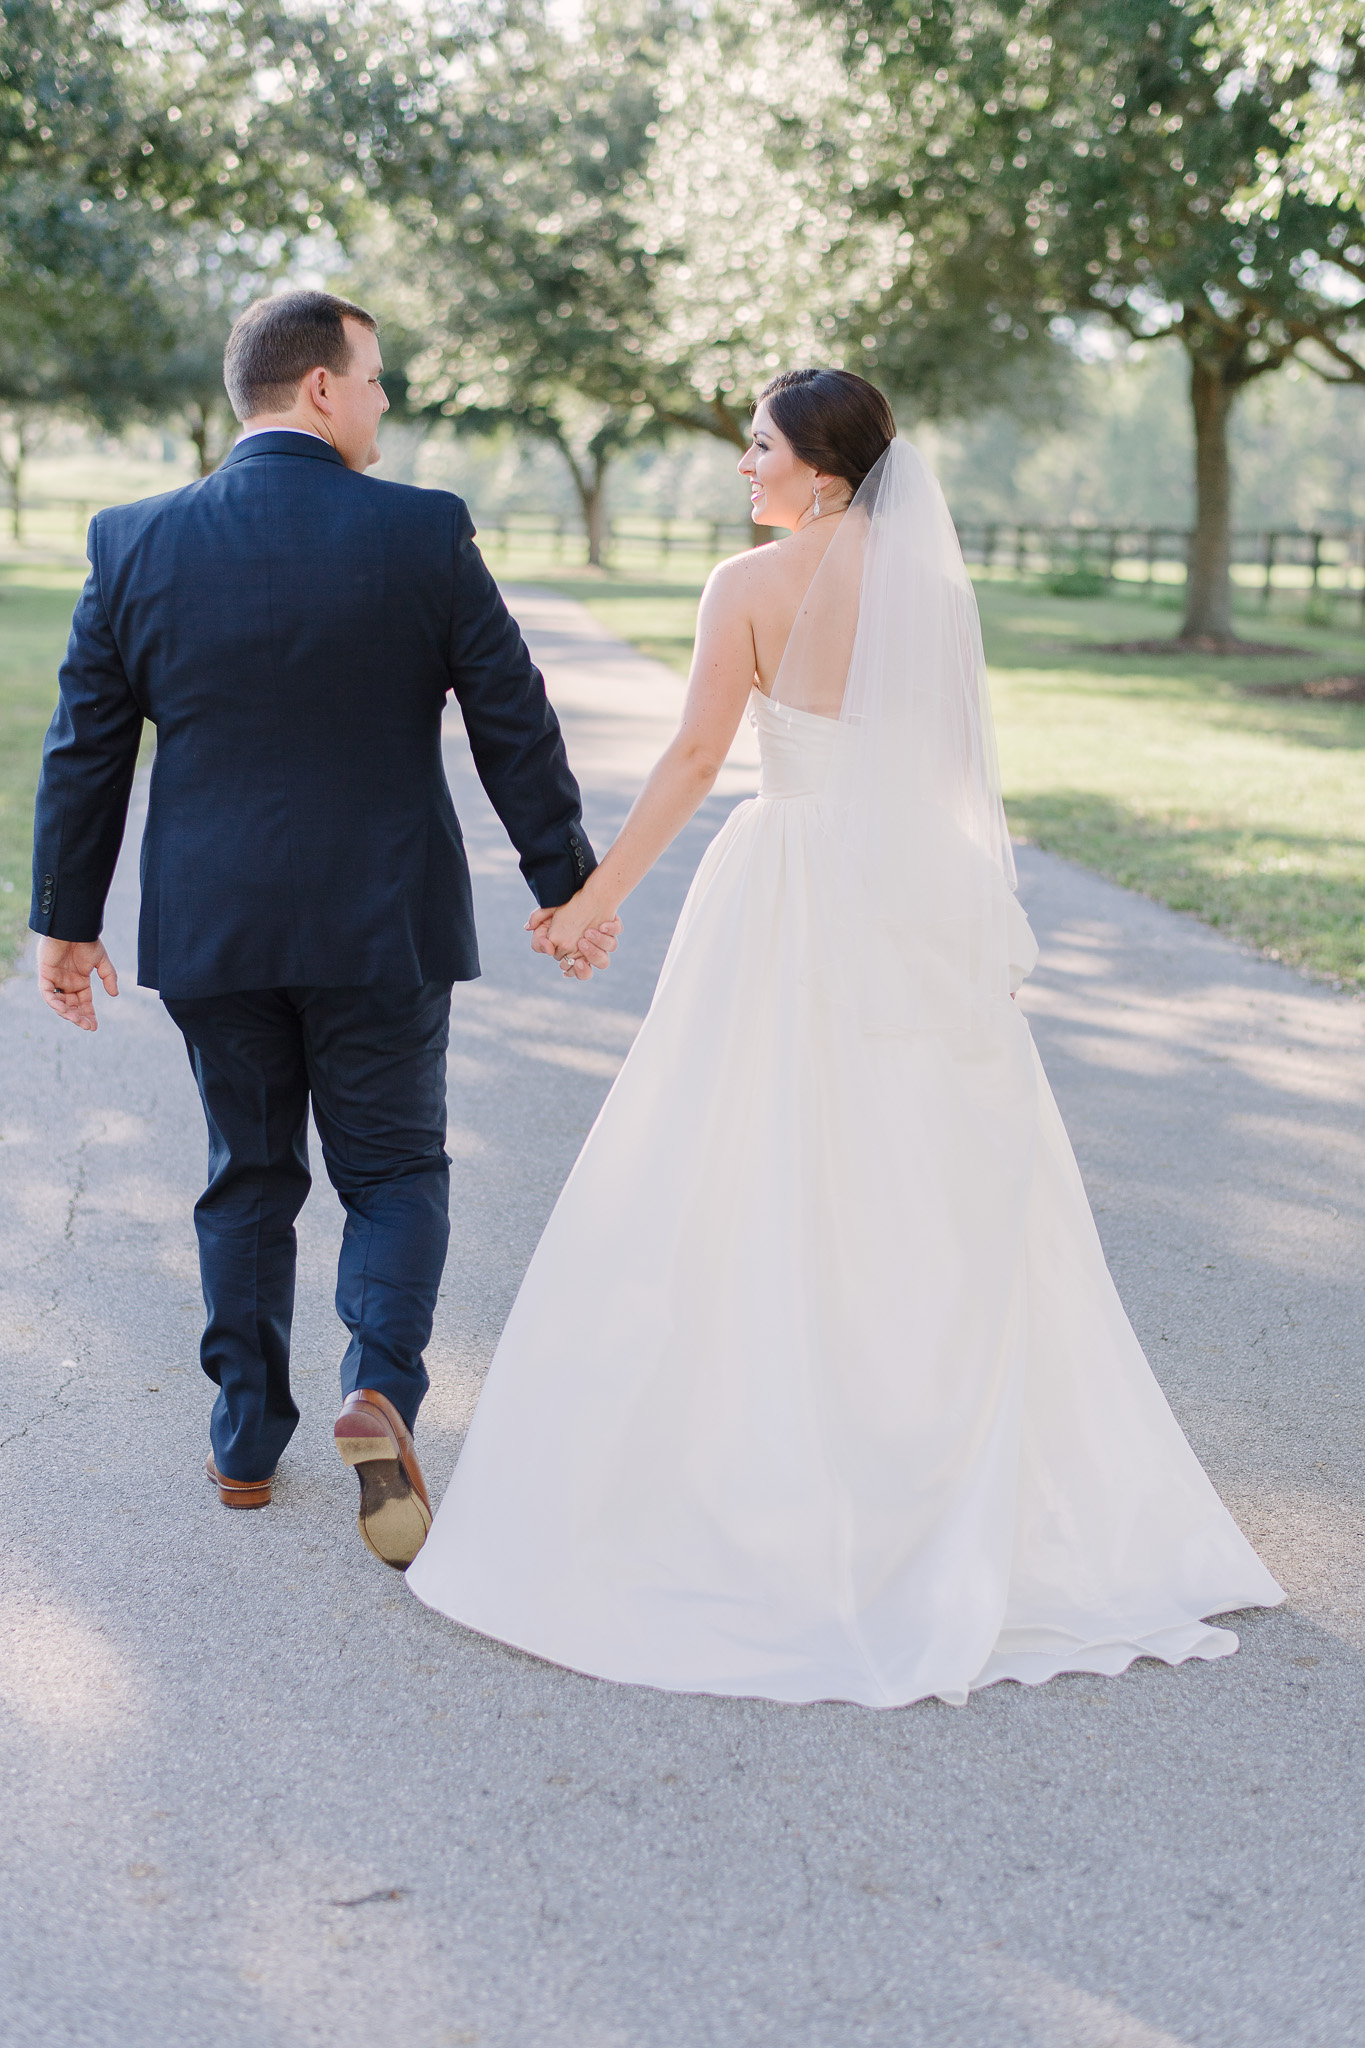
(1173, 777)
(35, 613)
(1165, 773)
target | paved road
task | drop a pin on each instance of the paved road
(257, 1797)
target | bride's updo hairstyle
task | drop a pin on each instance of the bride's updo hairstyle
(836, 421)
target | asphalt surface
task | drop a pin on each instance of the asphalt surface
(255, 1794)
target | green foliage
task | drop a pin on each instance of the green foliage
(1092, 155)
(34, 619)
(520, 229)
(205, 112)
(77, 311)
(502, 260)
(599, 234)
(1311, 49)
(649, 216)
(1078, 582)
(158, 164)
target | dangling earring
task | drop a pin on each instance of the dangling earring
(815, 493)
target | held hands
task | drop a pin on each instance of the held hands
(579, 940)
(64, 970)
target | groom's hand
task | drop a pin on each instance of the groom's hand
(593, 949)
(64, 970)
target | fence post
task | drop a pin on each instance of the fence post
(1316, 560)
(1020, 551)
(1268, 553)
(1151, 553)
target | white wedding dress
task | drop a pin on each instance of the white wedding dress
(857, 1414)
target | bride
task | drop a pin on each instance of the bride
(860, 1416)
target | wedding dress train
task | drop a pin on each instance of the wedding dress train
(857, 1413)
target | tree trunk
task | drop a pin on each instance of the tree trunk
(199, 434)
(591, 488)
(592, 496)
(1208, 590)
(729, 424)
(13, 473)
(595, 517)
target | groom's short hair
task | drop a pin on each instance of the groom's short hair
(277, 341)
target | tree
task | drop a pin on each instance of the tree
(188, 111)
(739, 213)
(199, 281)
(77, 315)
(1312, 52)
(158, 163)
(514, 248)
(69, 274)
(1110, 143)
(631, 226)
(772, 243)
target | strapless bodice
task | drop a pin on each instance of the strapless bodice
(795, 748)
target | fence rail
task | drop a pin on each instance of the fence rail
(1264, 559)
(1325, 561)
(560, 531)
(662, 538)
(1329, 562)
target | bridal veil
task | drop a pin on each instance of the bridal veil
(888, 641)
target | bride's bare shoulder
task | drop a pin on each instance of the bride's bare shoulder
(737, 570)
(753, 576)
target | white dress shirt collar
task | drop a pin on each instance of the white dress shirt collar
(248, 433)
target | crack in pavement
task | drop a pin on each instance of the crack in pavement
(54, 1400)
(77, 1192)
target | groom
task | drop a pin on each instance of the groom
(292, 629)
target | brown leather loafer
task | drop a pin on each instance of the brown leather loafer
(395, 1512)
(240, 1493)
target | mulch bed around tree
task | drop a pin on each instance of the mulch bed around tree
(1333, 689)
(1201, 643)
(1348, 689)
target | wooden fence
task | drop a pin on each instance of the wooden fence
(1266, 560)
(1284, 559)
(660, 539)
(1327, 562)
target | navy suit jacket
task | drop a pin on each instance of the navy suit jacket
(292, 629)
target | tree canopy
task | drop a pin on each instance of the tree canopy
(623, 230)
(1097, 151)
(619, 227)
(1310, 50)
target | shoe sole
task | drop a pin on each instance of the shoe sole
(393, 1520)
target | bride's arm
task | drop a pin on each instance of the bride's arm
(717, 691)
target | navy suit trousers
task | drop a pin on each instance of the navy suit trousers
(373, 1062)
